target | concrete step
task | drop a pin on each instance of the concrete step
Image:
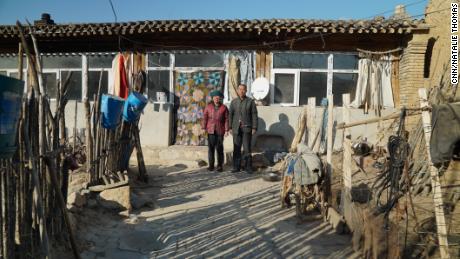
(175, 153)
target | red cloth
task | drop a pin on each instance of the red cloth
(215, 121)
(124, 87)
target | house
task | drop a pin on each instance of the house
(301, 59)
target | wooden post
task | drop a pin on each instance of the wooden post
(75, 126)
(311, 123)
(20, 63)
(330, 125)
(301, 127)
(346, 143)
(38, 199)
(62, 204)
(330, 144)
(89, 139)
(435, 183)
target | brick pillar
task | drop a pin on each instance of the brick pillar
(411, 69)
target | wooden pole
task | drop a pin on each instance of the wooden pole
(301, 127)
(378, 119)
(140, 157)
(75, 126)
(62, 204)
(311, 121)
(435, 183)
(20, 63)
(346, 144)
(89, 139)
(330, 143)
(38, 198)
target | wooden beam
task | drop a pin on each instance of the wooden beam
(330, 144)
(311, 122)
(378, 119)
(435, 183)
(301, 127)
(346, 168)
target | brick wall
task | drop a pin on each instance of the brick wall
(411, 70)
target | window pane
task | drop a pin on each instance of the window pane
(298, 60)
(15, 75)
(11, 62)
(343, 84)
(159, 60)
(158, 81)
(61, 61)
(345, 61)
(312, 85)
(284, 88)
(50, 79)
(74, 88)
(93, 83)
(3, 73)
(199, 60)
(102, 61)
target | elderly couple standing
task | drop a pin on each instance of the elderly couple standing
(240, 121)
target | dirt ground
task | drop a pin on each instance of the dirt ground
(201, 214)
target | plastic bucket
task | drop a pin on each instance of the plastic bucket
(11, 93)
(134, 105)
(111, 109)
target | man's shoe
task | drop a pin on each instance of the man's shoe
(234, 170)
(211, 168)
(220, 169)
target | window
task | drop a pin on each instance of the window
(93, 83)
(199, 60)
(284, 87)
(61, 62)
(344, 83)
(312, 84)
(158, 81)
(100, 61)
(159, 60)
(296, 76)
(50, 84)
(10, 62)
(293, 60)
(74, 91)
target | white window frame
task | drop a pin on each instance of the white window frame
(295, 100)
(329, 70)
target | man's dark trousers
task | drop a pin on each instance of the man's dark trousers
(215, 142)
(242, 139)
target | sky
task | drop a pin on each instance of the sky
(82, 11)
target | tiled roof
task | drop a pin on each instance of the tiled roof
(377, 25)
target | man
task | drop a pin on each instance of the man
(215, 123)
(243, 124)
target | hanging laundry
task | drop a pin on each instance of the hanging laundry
(120, 76)
(123, 89)
(374, 83)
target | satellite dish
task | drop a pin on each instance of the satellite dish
(260, 88)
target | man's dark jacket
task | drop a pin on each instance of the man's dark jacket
(244, 110)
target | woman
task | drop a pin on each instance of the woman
(215, 123)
